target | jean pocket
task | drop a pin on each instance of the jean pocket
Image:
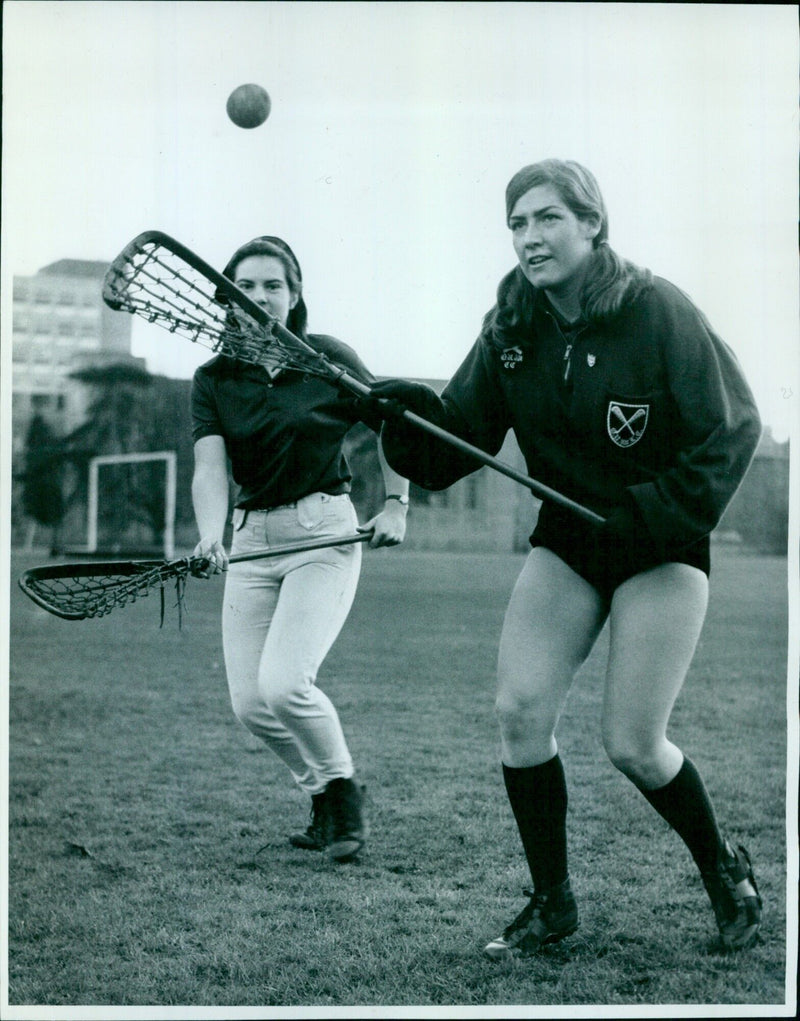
(310, 511)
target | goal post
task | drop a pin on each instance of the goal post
(93, 495)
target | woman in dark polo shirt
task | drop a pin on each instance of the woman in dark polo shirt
(282, 433)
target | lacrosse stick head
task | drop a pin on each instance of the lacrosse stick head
(160, 280)
(150, 279)
(80, 591)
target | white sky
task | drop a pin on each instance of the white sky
(394, 130)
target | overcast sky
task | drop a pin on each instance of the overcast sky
(394, 130)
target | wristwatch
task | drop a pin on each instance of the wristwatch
(403, 499)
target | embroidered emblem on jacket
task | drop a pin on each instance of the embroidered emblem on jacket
(590, 360)
(626, 423)
(511, 357)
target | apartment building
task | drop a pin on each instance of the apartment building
(60, 324)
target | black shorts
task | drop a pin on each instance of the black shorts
(600, 561)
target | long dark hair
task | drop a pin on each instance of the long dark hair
(610, 282)
(266, 244)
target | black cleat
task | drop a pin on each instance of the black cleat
(735, 898)
(547, 918)
(317, 836)
(348, 823)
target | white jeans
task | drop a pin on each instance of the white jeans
(280, 617)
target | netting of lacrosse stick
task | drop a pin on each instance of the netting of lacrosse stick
(158, 279)
(79, 591)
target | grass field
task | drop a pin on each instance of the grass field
(148, 861)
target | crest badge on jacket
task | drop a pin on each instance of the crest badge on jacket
(626, 423)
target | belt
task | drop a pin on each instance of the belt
(266, 510)
(290, 506)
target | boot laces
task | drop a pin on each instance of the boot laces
(724, 886)
(532, 908)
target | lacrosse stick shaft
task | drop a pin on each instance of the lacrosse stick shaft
(339, 376)
(537, 488)
(300, 547)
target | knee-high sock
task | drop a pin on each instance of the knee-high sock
(686, 806)
(538, 796)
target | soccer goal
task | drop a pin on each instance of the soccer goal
(170, 484)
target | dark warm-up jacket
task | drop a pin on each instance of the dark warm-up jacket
(650, 406)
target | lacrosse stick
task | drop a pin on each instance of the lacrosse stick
(78, 591)
(162, 281)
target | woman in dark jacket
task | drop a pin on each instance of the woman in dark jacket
(622, 398)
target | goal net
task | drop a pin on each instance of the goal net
(123, 498)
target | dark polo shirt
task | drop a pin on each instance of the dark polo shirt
(284, 435)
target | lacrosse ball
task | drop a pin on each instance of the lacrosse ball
(248, 106)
